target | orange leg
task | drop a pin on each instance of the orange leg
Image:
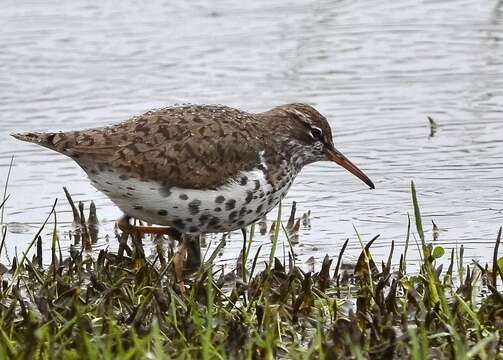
(188, 256)
(125, 226)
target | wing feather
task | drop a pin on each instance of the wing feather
(191, 146)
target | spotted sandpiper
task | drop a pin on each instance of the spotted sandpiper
(199, 168)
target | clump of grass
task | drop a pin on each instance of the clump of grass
(127, 306)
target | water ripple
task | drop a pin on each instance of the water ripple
(376, 70)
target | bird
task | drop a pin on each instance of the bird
(197, 169)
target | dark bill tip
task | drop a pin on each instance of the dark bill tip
(343, 161)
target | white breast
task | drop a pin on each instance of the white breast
(230, 207)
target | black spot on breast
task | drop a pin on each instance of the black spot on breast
(137, 207)
(188, 220)
(241, 222)
(164, 191)
(194, 206)
(244, 181)
(183, 197)
(233, 215)
(219, 199)
(131, 188)
(193, 229)
(261, 168)
(230, 204)
(249, 197)
(259, 209)
(203, 218)
(249, 211)
(217, 209)
(214, 221)
(162, 212)
(123, 177)
(242, 212)
(179, 224)
(257, 184)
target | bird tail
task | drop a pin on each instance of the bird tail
(42, 139)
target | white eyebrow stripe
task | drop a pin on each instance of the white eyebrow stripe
(302, 115)
(299, 113)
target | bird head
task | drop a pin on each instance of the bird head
(311, 137)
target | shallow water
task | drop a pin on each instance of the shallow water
(375, 69)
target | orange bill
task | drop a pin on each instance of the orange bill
(343, 161)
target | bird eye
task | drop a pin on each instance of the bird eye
(316, 133)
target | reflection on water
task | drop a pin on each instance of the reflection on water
(375, 69)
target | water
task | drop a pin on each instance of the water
(376, 69)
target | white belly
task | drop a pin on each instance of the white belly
(228, 208)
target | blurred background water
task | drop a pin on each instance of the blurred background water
(376, 69)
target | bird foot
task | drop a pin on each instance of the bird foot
(125, 226)
(188, 257)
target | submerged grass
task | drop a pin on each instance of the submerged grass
(127, 306)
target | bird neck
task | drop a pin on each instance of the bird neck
(291, 151)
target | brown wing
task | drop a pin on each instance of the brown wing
(190, 146)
